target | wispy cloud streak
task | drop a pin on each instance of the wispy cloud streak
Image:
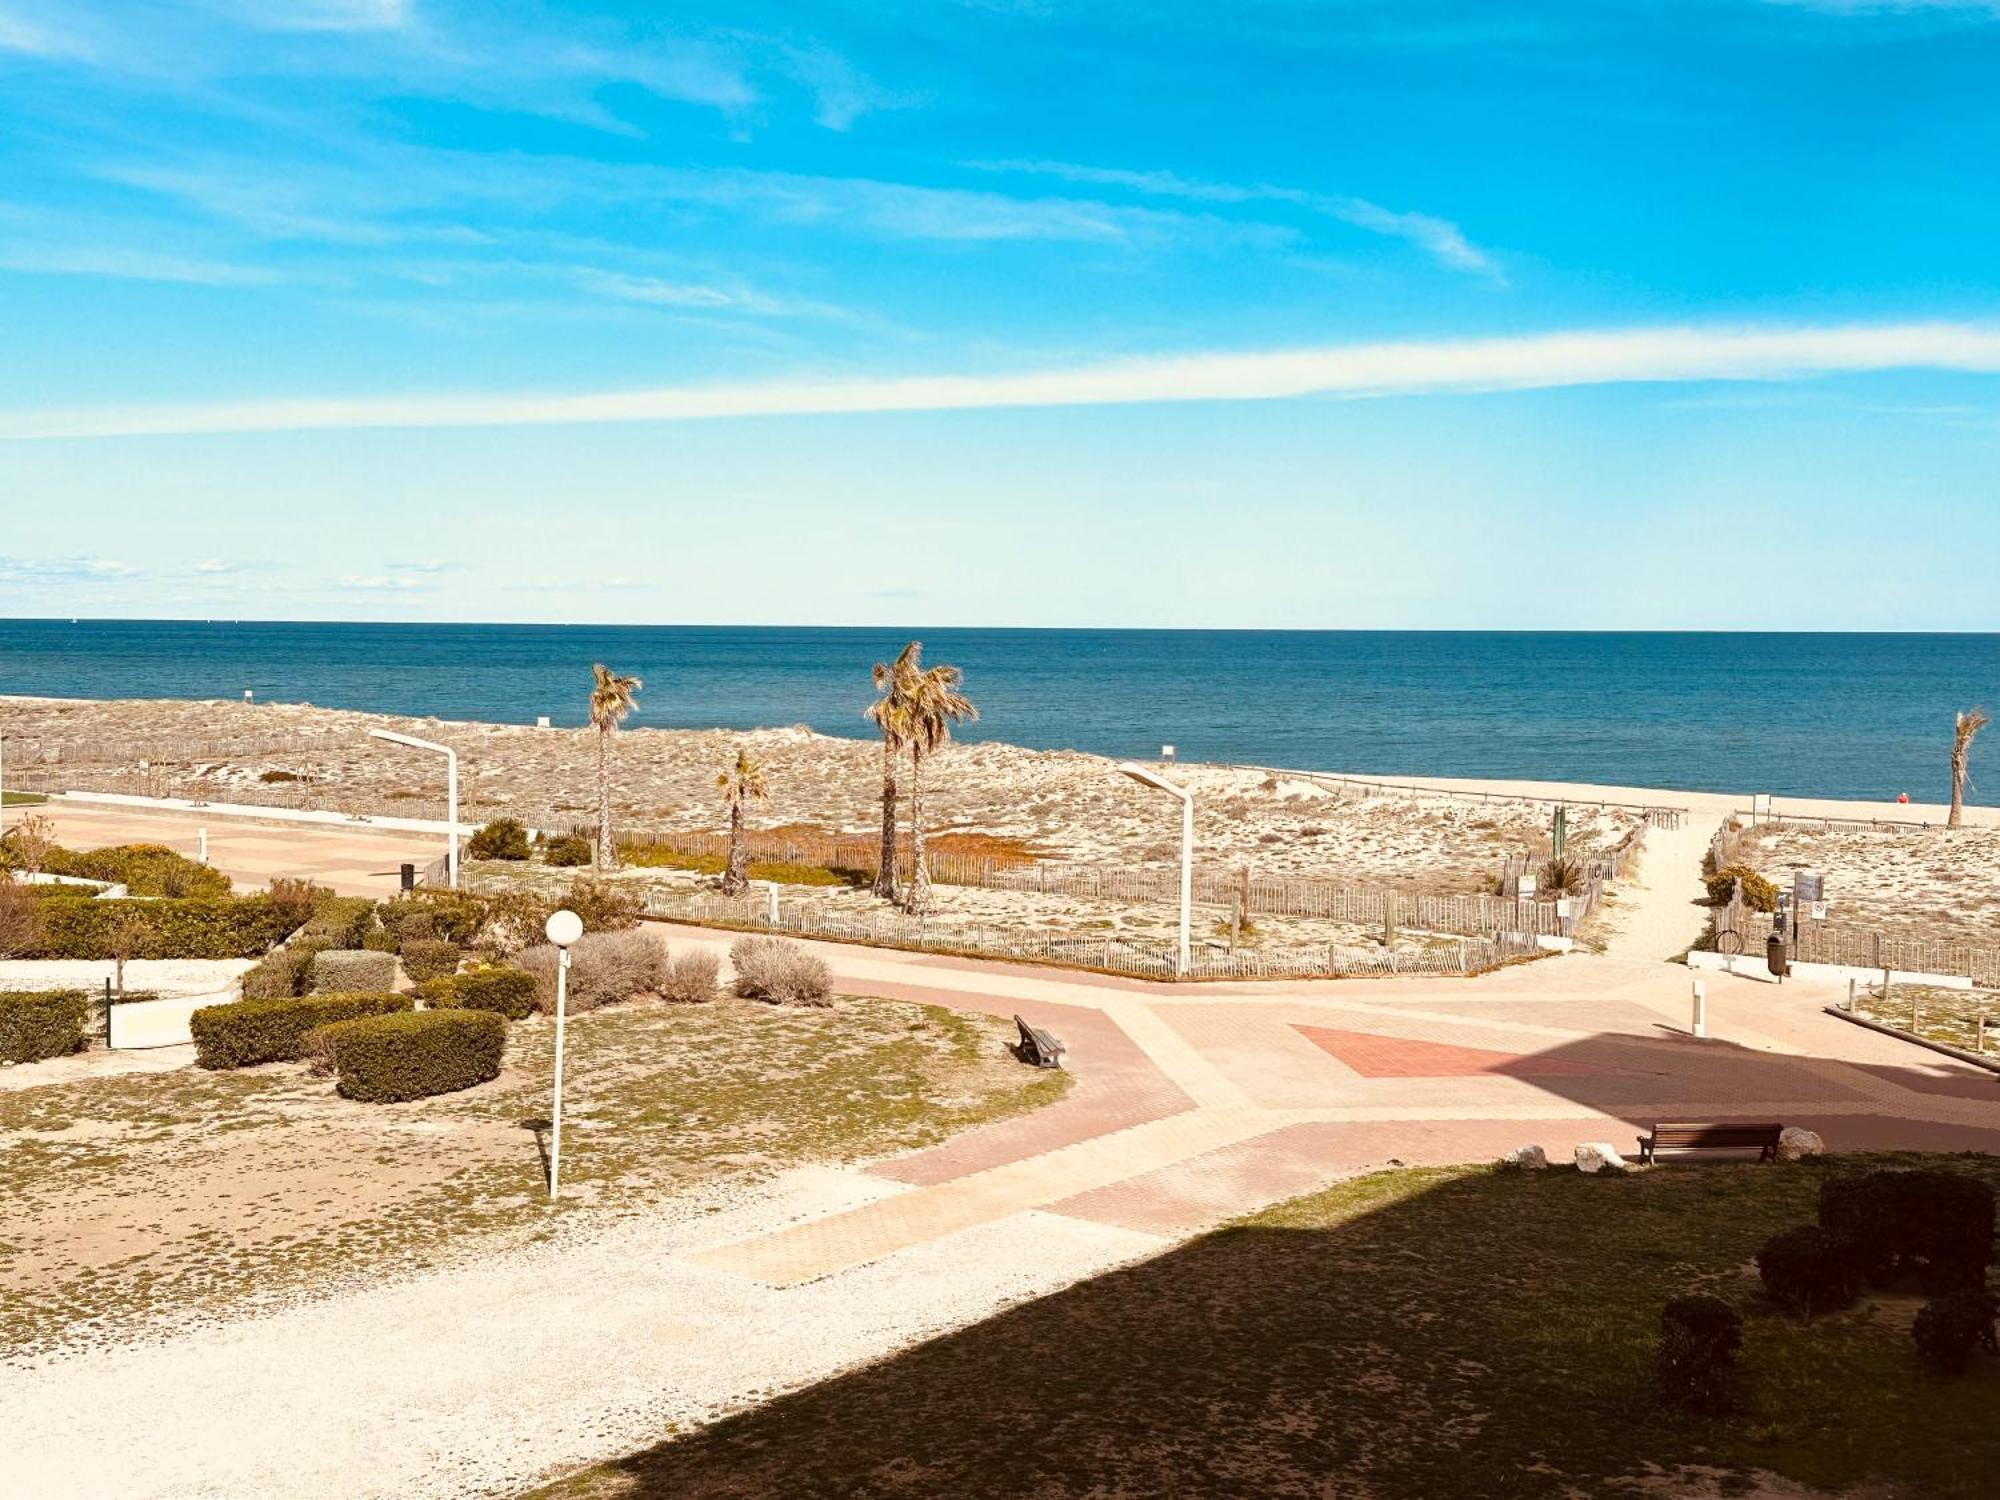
(1589, 357)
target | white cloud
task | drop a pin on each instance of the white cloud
(130, 265)
(384, 583)
(212, 565)
(1438, 238)
(33, 570)
(36, 38)
(1416, 367)
(327, 15)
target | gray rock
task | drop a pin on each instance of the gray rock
(1796, 1143)
(1533, 1157)
(1598, 1156)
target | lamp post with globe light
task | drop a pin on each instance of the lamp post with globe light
(562, 929)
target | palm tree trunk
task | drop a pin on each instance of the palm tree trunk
(606, 855)
(885, 870)
(1958, 759)
(737, 875)
(920, 875)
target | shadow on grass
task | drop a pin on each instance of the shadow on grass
(1432, 1332)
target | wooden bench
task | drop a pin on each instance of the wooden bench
(1037, 1047)
(1688, 1136)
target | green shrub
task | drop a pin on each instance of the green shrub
(503, 838)
(143, 869)
(1699, 1337)
(38, 1024)
(352, 971)
(566, 850)
(227, 927)
(1948, 1328)
(22, 930)
(774, 969)
(379, 940)
(381, 1059)
(1810, 1270)
(431, 959)
(341, 921)
(504, 991)
(450, 915)
(260, 1031)
(1935, 1225)
(604, 907)
(283, 971)
(1758, 893)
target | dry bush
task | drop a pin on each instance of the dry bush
(21, 929)
(604, 968)
(690, 978)
(782, 972)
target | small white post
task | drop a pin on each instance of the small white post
(772, 891)
(562, 929)
(1700, 1008)
(1850, 991)
(201, 844)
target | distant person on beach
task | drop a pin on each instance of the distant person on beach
(1902, 796)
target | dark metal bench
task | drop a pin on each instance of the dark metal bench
(1689, 1136)
(1037, 1047)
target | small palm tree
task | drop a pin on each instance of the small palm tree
(890, 713)
(1970, 722)
(742, 783)
(611, 699)
(935, 704)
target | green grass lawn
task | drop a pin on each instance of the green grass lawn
(152, 1198)
(22, 799)
(1412, 1335)
(1940, 1015)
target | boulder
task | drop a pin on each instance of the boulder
(1598, 1156)
(1796, 1143)
(1533, 1157)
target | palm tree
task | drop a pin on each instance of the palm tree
(935, 704)
(743, 783)
(610, 700)
(1970, 722)
(890, 713)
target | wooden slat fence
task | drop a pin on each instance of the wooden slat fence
(753, 913)
(1859, 947)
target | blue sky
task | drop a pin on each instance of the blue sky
(1269, 314)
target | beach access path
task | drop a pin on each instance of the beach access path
(1191, 1104)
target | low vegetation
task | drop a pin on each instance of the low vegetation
(248, 1032)
(780, 971)
(604, 968)
(1408, 1335)
(505, 991)
(383, 1059)
(39, 1024)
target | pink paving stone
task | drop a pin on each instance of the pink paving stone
(1375, 1056)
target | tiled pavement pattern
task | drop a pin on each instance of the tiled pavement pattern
(1193, 1104)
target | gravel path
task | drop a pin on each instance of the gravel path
(485, 1378)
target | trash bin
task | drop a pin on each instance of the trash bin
(409, 874)
(1774, 955)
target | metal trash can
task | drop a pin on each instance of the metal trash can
(409, 874)
(1774, 955)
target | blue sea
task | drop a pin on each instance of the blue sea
(1804, 715)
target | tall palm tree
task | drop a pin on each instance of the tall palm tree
(611, 698)
(890, 713)
(1970, 722)
(935, 704)
(742, 783)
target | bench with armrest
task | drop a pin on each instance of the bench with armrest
(1038, 1047)
(1701, 1136)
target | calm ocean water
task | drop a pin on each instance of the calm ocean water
(1820, 715)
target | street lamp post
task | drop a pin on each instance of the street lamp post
(450, 791)
(1160, 783)
(562, 928)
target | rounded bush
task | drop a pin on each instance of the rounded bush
(503, 838)
(431, 959)
(690, 978)
(40, 1024)
(1938, 1226)
(566, 850)
(780, 971)
(384, 1059)
(1757, 892)
(1699, 1337)
(352, 971)
(1810, 1270)
(504, 991)
(1948, 1328)
(248, 1032)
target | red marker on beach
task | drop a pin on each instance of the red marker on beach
(1903, 797)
